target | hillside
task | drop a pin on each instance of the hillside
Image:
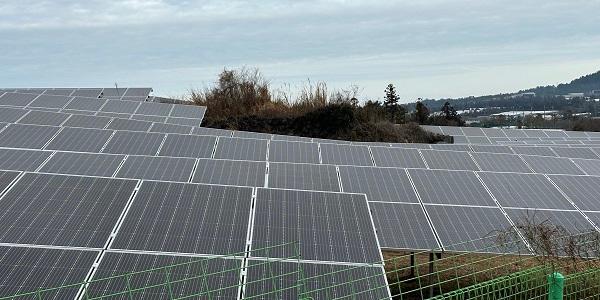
(547, 97)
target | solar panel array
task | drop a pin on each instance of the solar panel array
(133, 198)
(51, 108)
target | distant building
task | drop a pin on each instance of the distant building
(524, 95)
(594, 93)
(574, 95)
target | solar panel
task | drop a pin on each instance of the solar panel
(460, 139)
(27, 269)
(87, 121)
(78, 112)
(156, 119)
(178, 145)
(568, 143)
(6, 178)
(434, 129)
(451, 147)
(493, 132)
(209, 278)
(122, 107)
(455, 225)
(450, 187)
(184, 121)
(589, 166)
(280, 280)
(572, 221)
(157, 168)
(94, 93)
(188, 111)
(11, 115)
(44, 118)
(63, 210)
(79, 103)
(491, 149)
(252, 135)
(291, 138)
(80, 139)
(21, 159)
(113, 92)
(450, 130)
(552, 165)
(473, 131)
(16, 99)
(170, 128)
(303, 177)
(137, 92)
(113, 115)
(411, 145)
(50, 101)
(241, 149)
(524, 190)
(59, 91)
(90, 164)
(534, 133)
(296, 152)
(379, 184)
(402, 226)
(154, 109)
(187, 218)
(322, 226)
(529, 150)
(478, 140)
(26, 136)
(345, 155)
(126, 124)
(230, 172)
(500, 162)
(582, 190)
(449, 160)
(575, 152)
(397, 157)
(514, 133)
(134, 98)
(575, 134)
(555, 133)
(329, 141)
(211, 131)
(134, 143)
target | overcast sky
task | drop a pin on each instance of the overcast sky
(427, 48)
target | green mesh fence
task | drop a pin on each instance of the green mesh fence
(499, 269)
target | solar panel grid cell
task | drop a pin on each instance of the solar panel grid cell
(303, 177)
(325, 226)
(62, 210)
(90, 164)
(186, 218)
(375, 183)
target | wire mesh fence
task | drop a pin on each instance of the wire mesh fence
(504, 269)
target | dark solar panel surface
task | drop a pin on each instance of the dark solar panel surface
(323, 226)
(63, 210)
(187, 218)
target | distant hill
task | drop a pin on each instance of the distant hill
(582, 84)
(546, 97)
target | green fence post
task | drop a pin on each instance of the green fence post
(556, 284)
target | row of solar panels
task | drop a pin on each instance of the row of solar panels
(507, 133)
(196, 146)
(395, 195)
(137, 94)
(525, 141)
(97, 222)
(146, 111)
(23, 116)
